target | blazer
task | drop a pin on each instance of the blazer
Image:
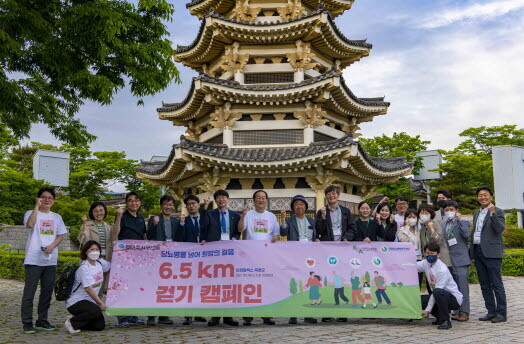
(437, 236)
(438, 218)
(91, 233)
(191, 234)
(458, 253)
(491, 235)
(291, 228)
(325, 227)
(158, 232)
(212, 231)
(372, 230)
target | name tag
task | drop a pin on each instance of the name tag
(304, 239)
(452, 242)
(337, 231)
(418, 252)
(224, 236)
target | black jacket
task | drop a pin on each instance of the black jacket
(325, 227)
(158, 232)
(212, 231)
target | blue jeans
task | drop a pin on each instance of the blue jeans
(381, 293)
(490, 279)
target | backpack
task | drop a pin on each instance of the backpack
(382, 282)
(64, 284)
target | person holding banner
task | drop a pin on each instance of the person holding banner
(221, 224)
(164, 227)
(84, 303)
(430, 230)
(259, 224)
(368, 229)
(446, 295)
(411, 233)
(401, 204)
(335, 222)
(298, 227)
(193, 224)
(130, 225)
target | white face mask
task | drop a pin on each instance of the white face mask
(450, 215)
(94, 255)
(425, 218)
(412, 222)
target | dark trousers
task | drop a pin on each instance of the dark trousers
(381, 293)
(490, 279)
(339, 292)
(249, 319)
(87, 316)
(46, 275)
(445, 302)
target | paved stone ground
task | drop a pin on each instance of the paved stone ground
(356, 331)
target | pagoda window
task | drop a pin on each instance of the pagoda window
(279, 184)
(355, 190)
(269, 78)
(319, 137)
(216, 139)
(257, 184)
(302, 183)
(268, 137)
(234, 184)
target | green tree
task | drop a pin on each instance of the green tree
(300, 286)
(480, 140)
(293, 286)
(325, 282)
(400, 284)
(18, 190)
(367, 277)
(399, 144)
(393, 284)
(54, 55)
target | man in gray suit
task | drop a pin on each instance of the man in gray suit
(456, 234)
(487, 249)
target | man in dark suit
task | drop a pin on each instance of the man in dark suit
(298, 227)
(487, 249)
(164, 227)
(221, 224)
(335, 223)
(193, 223)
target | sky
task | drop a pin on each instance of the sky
(445, 66)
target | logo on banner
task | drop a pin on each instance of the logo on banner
(310, 262)
(332, 260)
(355, 263)
(121, 246)
(377, 261)
(384, 249)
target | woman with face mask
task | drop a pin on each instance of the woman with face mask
(84, 303)
(410, 232)
(430, 230)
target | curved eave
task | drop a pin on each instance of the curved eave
(336, 7)
(186, 160)
(201, 7)
(340, 98)
(216, 32)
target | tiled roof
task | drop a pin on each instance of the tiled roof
(214, 14)
(259, 154)
(268, 87)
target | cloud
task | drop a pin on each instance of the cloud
(476, 12)
(449, 81)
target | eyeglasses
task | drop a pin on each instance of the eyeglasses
(47, 198)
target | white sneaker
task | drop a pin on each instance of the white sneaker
(69, 327)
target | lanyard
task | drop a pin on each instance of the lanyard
(338, 213)
(302, 227)
(449, 232)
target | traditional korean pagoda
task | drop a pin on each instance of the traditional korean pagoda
(270, 108)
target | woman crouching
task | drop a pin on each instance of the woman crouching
(84, 303)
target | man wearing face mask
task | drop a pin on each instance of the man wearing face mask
(456, 234)
(446, 295)
(442, 197)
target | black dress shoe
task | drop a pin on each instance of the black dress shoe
(446, 325)
(268, 321)
(292, 321)
(200, 319)
(213, 322)
(151, 321)
(487, 317)
(327, 319)
(498, 319)
(247, 322)
(310, 320)
(342, 319)
(188, 321)
(230, 322)
(165, 321)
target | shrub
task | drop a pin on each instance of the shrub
(513, 237)
(12, 265)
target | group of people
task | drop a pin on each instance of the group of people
(440, 239)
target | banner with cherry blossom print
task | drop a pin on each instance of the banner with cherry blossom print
(263, 279)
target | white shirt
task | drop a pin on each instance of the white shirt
(261, 226)
(87, 275)
(336, 222)
(439, 276)
(47, 227)
(480, 223)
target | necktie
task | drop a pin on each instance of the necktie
(195, 220)
(223, 223)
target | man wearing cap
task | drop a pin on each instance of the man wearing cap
(298, 227)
